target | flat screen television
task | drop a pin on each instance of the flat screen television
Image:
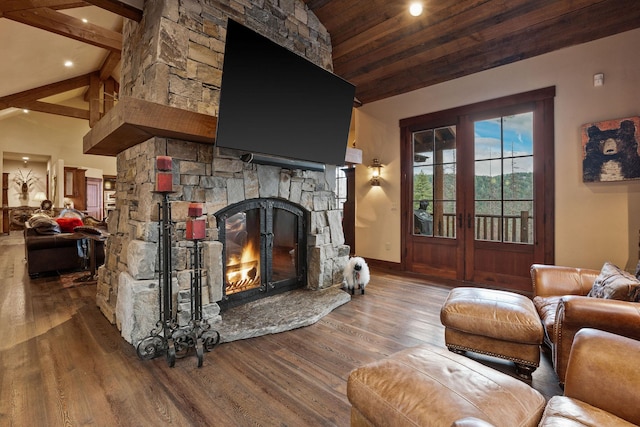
(275, 102)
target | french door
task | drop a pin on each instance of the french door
(477, 190)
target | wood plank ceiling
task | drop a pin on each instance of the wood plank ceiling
(384, 51)
(377, 44)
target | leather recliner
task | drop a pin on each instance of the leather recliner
(561, 301)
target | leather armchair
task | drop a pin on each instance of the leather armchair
(560, 298)
(601, 388)
(601, 383)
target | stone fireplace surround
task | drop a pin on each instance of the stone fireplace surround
(130, 271)
(174, 58)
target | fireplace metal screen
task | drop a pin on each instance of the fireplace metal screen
(264, 249)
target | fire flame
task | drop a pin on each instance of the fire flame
(243, 272)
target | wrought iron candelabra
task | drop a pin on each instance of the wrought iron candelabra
(168, 337)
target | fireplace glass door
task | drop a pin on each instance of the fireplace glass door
(264, 243)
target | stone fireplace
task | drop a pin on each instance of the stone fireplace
(174, 58)
(263, 249)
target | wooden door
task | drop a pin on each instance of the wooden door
(478, 190)
(94, 198)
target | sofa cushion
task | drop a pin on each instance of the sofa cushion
(565, 411)
(67, 224)
(546, 307)
(614, 283)
(43, 224)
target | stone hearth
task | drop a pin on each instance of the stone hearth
(174, 57)
(279, 313)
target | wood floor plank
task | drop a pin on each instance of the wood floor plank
(63, 364)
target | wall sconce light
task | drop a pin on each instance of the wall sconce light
(376, 169)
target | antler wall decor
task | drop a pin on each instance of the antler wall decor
(24, 182)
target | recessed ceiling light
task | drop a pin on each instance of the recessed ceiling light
(85, 20)
(25, 111)
(415, 9)
(68, 64)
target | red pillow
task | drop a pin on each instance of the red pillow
(67, 224)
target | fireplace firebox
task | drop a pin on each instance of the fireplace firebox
(264, 249)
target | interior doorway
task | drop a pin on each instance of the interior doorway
(94, 198)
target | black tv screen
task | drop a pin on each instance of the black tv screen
(275, 102)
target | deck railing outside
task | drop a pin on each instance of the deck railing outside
(515, 228)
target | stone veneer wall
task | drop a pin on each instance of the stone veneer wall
(174, 57)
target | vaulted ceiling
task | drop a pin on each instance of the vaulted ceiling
(39, 36)
(377, 44)
(384, 51)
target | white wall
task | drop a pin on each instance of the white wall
(595, 222)
(37, 181)
(55, 136)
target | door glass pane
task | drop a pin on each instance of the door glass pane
(504, 179)
(285, 245)
(434, 182)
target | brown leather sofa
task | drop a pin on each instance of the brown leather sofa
(53, 251)
(561, 301)
(49, 252)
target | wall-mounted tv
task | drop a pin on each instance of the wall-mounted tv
(275, 102)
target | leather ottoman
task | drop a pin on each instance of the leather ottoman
(496, 323)
(430, 386)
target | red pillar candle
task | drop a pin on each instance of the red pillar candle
(164, 181)
(163, 163)
(195, 229)
(195, 209)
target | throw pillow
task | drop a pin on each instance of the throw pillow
(67, 224)
(44, 225)
(614, 283)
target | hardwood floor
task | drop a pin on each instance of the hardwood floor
(63, 364)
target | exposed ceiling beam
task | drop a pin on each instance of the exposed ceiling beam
(16, 5)
(68, 26)
(20, 98)
(110, 63)
(119, 8)
(60, 110)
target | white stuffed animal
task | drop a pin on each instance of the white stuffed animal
(356, 274)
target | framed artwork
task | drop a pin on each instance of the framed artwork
(610, 150)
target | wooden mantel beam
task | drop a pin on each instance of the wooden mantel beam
(133, 121)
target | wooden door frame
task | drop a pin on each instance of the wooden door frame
(544, 168)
